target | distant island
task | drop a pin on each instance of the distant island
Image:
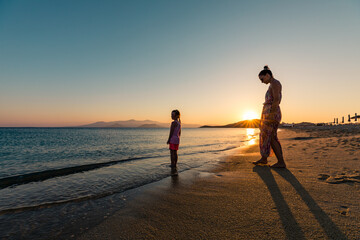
(254, 123)
(150, 126)
(132, 123)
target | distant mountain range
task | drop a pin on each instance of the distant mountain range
(134, 124)
(255, 123)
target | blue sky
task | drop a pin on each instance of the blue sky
(72, 62)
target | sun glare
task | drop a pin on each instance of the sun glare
(249, 115)
(251, 138)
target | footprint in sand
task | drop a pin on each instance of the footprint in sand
(344, 179)
(323, 176)
(355, 176)
(350, 150)
(344, 210)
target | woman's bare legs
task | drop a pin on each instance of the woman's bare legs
(263, 160)
(276, 147)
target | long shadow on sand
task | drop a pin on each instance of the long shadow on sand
(330, 228)
(291, 227)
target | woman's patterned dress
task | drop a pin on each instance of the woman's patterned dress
(268, 127)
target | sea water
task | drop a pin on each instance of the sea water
(47, 168)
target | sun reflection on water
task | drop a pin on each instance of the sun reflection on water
(251, 137)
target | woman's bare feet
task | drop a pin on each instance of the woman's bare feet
(261, 161)
(279, 165)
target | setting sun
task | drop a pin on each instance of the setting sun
(249, 115)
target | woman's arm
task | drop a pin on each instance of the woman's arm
(276, 91)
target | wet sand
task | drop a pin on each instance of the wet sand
(316, 197)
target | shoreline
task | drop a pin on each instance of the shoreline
(316, 197)
(76, 217)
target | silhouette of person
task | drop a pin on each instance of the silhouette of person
(270, 120)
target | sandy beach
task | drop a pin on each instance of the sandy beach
(316, 197)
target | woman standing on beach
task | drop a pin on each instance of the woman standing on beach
(270, 120)
(174, 137)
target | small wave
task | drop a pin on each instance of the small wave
(201, 145)
(221, 150)
(47, 174)
(87, 197)
(50, 204)
(207, 145)
(43, 175)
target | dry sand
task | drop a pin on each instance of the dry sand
(316, 197)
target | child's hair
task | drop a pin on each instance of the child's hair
(265, 71)
(177, 113)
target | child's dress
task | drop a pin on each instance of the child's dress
(175, 138)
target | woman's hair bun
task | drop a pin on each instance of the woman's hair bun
(265, 71)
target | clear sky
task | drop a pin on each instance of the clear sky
(65, 62)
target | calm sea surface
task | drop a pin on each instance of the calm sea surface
(50, 167)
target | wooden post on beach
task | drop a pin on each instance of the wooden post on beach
(334, 120)
(349, 119)
(342, 120)
(337, 121)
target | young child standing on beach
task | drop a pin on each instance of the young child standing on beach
(174, 137)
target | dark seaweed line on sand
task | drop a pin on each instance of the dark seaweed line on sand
(41, 176)
(303, 138)
(80, 199)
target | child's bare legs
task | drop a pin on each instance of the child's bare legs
(174, 157)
